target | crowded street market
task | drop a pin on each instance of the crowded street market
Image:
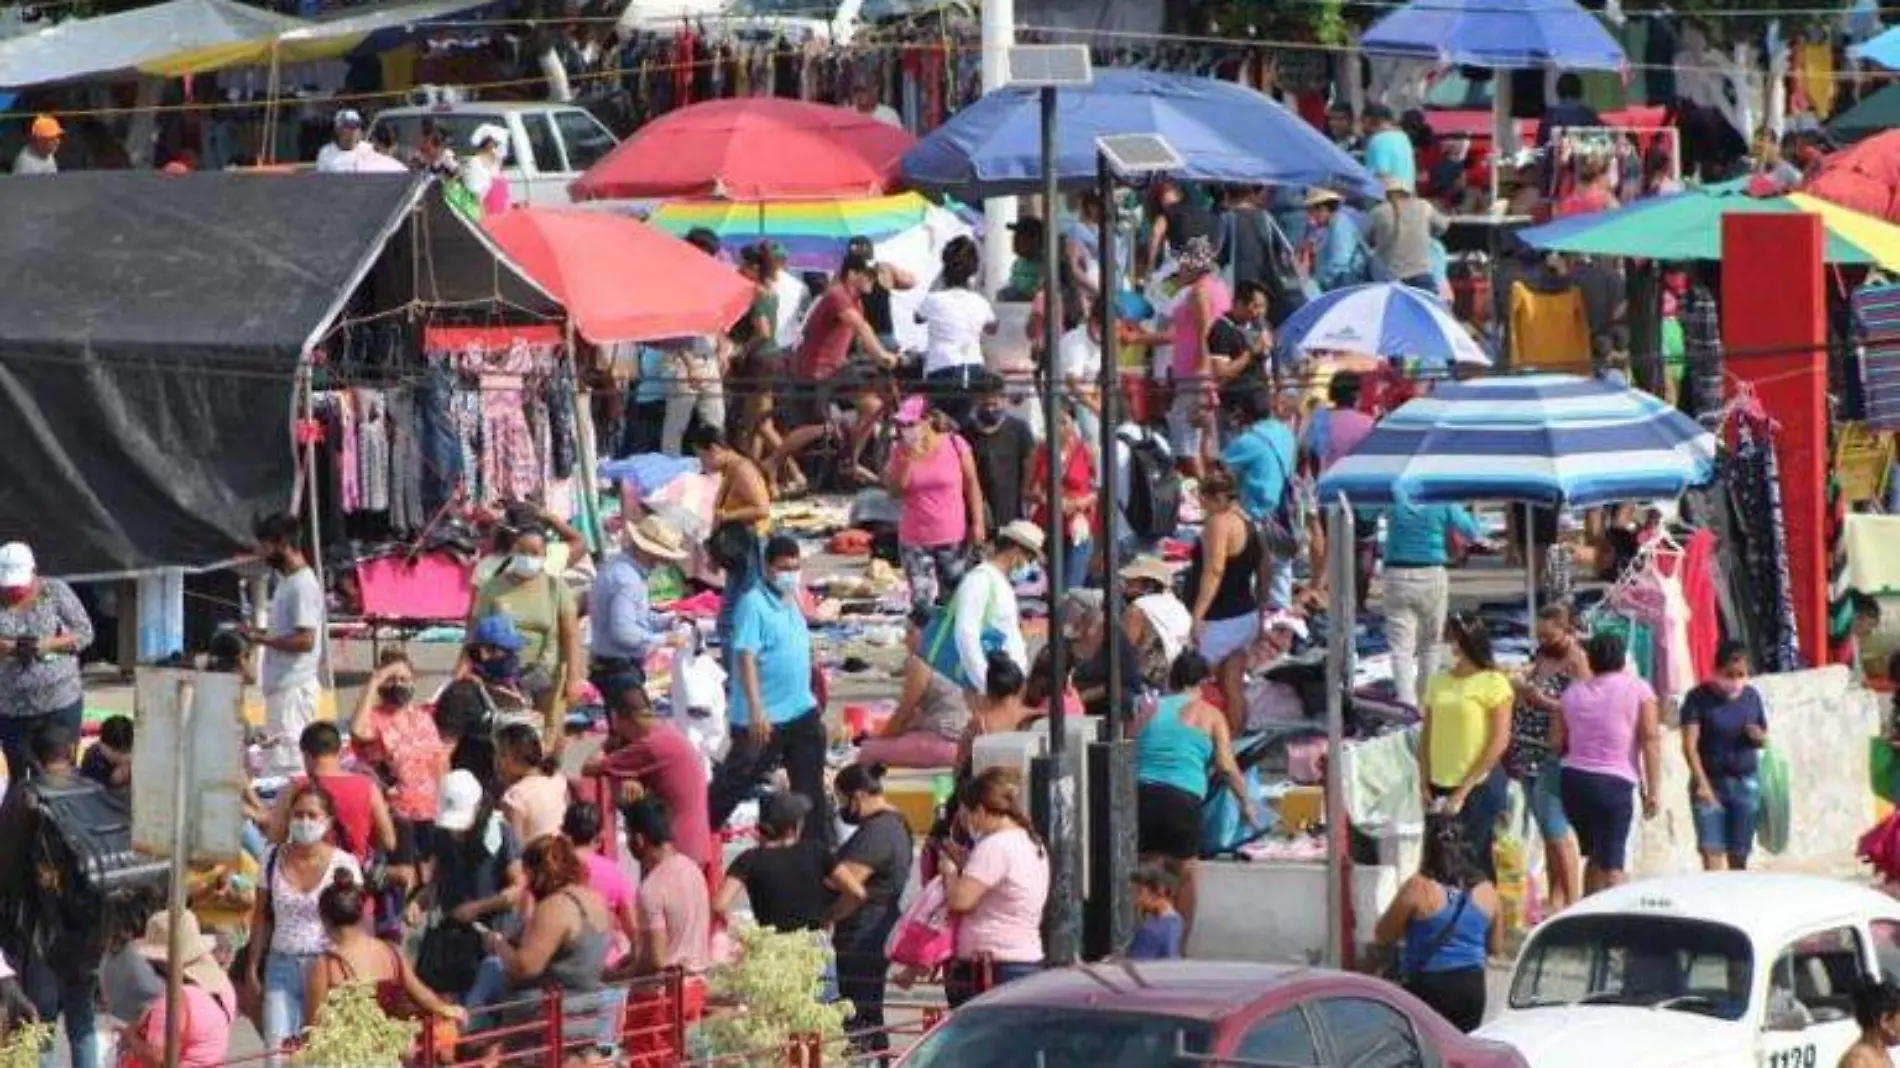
(1026, 534)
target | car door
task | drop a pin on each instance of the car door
(584, 141)
(1808, 1011)
(1361, 1032)
(546, 178)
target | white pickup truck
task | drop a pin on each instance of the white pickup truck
(549, 144)
(1720, 970)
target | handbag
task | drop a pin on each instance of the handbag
(925, 937)
(939, 645)
(450, 954)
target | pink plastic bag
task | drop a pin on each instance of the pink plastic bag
(924, 938)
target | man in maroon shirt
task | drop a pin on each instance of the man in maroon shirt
(825, 371)
(651, 757)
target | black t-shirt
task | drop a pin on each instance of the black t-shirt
(96, 767)
(877, 311)
(1000, 456)
(786, 884)
(1186, 221)
(882, 844)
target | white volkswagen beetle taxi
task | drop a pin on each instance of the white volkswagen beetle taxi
(1721, 970)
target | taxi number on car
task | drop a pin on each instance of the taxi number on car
(1798, 1057)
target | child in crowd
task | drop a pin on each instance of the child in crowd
(1159, 935)
(108, 761)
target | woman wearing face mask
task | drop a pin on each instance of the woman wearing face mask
(1531, 758)
(1467, 728)
(210, 1003)
(543, 611)
(933, 477)
(1724, 728)
(535, 801)
(287, 934)
(1078, 496)
(876, 859)
(1877, 1011)
(43, 629)
(491, 662)
(393, 735)
(997, 890)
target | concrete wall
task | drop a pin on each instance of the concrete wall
(1821, 721)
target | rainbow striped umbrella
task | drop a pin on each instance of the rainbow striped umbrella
(814, 232)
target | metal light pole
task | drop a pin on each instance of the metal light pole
(1339, 674)
(1049, 67)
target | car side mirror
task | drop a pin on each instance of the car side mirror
(1786, 1020)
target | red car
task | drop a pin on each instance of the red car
(1176, 1014)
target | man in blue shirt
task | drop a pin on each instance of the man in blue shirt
(775, 715)
(1339, 249)
(625, 626)
(1389, 149)
(1417, 588)
(1262, 459)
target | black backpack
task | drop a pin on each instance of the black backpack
(1154, 489)
(84, 868)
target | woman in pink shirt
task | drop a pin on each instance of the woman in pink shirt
(605, 877)
(933, 477)
(1204, 299)
(998, 890)
(210, 1002)
(1607, 727)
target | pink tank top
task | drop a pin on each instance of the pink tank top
(1188, 329)
(934, 513)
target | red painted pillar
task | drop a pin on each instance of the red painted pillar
(1774, 334)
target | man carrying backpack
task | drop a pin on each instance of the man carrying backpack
(1148, 486)
(52, 919)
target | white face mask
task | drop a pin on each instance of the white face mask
(913, 434)
(307, 831)
(526, 566)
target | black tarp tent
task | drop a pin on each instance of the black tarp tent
(152, 330)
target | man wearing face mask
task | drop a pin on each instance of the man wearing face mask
(292, 642)
(625, 626)
(775, 715)
(987, 617)
(1002, 446)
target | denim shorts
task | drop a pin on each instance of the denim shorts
(1544, 796)
(1728, 826)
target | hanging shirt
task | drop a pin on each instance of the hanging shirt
(1550, 331)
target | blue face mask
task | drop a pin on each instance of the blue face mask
(787, 582)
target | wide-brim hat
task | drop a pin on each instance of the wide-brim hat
(658, 537)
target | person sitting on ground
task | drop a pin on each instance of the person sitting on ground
(1159, 935)
(1084, 617)
(210, 1003)
(1155, 621)
(931, 713)
(108, 761)
(1445, 921)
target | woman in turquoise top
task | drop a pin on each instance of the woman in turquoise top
(1445, 921)
(1177, 748)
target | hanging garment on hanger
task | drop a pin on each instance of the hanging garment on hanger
(349, 474)
(1814, 76)
(372, 431)
(407, 513)
(1550, 328)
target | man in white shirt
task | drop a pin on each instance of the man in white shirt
(43, 139)
(865, 95)
(347, 150)
(793, 298)
(985, 602)
(292, 642)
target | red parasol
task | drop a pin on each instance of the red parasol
(759, 148)
(1865, 177)
(619, 278)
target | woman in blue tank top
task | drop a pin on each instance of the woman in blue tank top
(1445, 920)
(1177, 749)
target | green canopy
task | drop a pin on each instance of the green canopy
(1688, 226)
(1873, 114)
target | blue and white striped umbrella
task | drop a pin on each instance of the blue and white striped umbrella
(1385, 319)
(1538, 439)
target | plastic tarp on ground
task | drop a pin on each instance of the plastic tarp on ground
(151, 330)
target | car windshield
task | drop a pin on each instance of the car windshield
(456, 128)
(1009, 1037)
(1657, 962)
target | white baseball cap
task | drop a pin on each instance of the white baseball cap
(459, 800)
(16, 564)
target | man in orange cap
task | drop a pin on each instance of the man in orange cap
(41, 146)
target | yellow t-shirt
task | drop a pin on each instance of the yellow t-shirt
(1458, 707)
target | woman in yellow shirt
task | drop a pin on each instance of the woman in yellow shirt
(1467, 728)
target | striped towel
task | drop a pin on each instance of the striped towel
(1877, 310)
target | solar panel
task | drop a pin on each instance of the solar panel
(1050, 65)
(1132, 154)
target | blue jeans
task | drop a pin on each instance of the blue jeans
(286, 977)
(1728, 826)
(54, 996)
(1280, 591)
(491, 983)
(1075, 565)
(1544, 797)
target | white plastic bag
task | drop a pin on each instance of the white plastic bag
(699, 702)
